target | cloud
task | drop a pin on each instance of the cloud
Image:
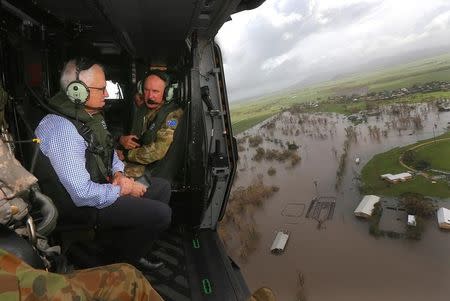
(286, 41)
(440, 22)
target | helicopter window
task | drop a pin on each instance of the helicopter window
(114, 90)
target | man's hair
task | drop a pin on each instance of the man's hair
(73, 68)
(158, 73)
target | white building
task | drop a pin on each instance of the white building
(443, 216)
(279, 243)
(412, 220)
(366, 206)
(401, 177)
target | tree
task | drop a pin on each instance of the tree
(417, 204)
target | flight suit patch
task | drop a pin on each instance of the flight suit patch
(172, 123)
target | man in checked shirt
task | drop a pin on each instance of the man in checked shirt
(90, 171)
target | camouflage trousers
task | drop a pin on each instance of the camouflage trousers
(118, 282)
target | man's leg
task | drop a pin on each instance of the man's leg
(114, 282)
(132, 224)
(158, 189)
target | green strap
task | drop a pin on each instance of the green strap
(196, 243)
(207, 287)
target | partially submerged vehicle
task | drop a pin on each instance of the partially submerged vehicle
(129, 38)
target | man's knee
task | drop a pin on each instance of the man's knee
(158, 216)
(160, 189)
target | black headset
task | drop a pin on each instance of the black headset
(77, 91)
(161, 74)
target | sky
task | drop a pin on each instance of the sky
(284, 42)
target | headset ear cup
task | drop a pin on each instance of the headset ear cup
(77, 92)
(166, 92)
(140, 87)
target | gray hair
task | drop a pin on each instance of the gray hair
(69, 74)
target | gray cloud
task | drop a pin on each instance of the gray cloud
(284, 42)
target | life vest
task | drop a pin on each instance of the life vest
(169, 166)
(149, 135)
(100, 147)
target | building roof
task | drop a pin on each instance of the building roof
(443, 215)
(280, 242)
(412, 220)
(366, 205)
(396, 177)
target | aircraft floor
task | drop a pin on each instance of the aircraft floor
(171, 281)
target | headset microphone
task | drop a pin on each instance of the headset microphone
(150, 101)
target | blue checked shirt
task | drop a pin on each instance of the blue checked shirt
(65, 148)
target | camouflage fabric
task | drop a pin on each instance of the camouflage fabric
(13, 177)
(146, 154)
(118, 282)
(5, 212)
(13, 180)
(262, 294)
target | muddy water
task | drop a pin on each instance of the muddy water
(340, 261)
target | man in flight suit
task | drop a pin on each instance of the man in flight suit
(153, 129)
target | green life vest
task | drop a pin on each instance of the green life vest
(100, 149)
(149, 136)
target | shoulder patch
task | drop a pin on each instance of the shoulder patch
(172, 123)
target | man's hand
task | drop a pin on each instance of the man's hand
(129, 141)
(125, 183)
(128, 186)
(138, 189)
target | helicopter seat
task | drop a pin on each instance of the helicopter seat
(71, 217)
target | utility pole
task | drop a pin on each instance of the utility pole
(434, 135)
(317, 191)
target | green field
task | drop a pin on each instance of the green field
(245, 114)
(388, 162)
(437, 154)
(351, 108)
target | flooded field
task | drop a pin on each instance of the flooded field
(336, 258)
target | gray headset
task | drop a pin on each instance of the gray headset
(77, 91)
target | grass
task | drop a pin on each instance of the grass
(352, 108)
(437, 154)
(244, 124)
(246, 114)
(388, 162)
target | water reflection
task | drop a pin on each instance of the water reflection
(339, 260)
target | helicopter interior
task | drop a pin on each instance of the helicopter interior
(128, 38)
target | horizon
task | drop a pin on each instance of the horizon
(342, 77)
(309, 41)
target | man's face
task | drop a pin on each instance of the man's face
(154, 92)
(97, 88)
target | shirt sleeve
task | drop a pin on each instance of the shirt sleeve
(117, 164)
(65, 148)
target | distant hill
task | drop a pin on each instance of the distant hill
(378, 64)
(436, 68)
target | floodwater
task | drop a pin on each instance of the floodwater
(340, 261)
